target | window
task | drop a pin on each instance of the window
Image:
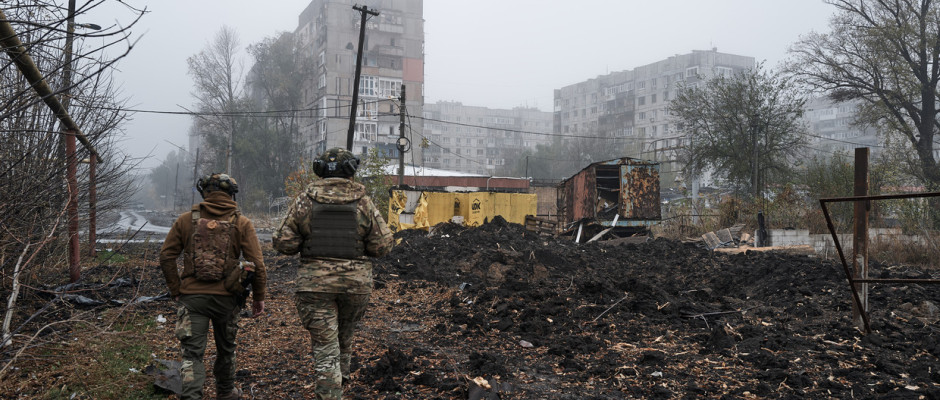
(724, 72)
(367, 85)
(366, 131)
(388, 87)
(691, 72)
(321, 82)
(322, 58)
(652, 98)
(479, 152)
(640, 100)
(368, 110)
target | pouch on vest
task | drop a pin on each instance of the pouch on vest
(212, 241)
(238, 282)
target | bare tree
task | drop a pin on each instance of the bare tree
(887, 54)
(218, 80)
(32, 191)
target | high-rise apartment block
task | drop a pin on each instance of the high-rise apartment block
(629, 107)
(481, 140)
(393, 55)
(833, 128)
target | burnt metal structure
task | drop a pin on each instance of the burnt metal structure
(845, 266)
(622, 193)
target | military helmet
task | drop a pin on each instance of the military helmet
(217, 182)
(336, 162)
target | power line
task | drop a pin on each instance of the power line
(269, 113)
(844, 141)
(524, 132)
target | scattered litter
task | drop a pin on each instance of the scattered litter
(525, 344)
(161, 319)
(167, 376)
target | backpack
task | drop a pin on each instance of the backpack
(212, 241)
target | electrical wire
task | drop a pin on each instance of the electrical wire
(269, 113)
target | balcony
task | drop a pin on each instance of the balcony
(387, 50)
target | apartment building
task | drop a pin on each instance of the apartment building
(628, 108)
(481, 140)
(832, 129)
(393, 55)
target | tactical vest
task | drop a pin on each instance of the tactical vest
(334, 232)
(211, 247)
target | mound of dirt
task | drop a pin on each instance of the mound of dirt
(547, 318)
(496, 312)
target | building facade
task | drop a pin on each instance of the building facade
(833, 129)
(481, 140)
(393, 56)
(626, 110)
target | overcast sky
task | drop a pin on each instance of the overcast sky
(491, 53)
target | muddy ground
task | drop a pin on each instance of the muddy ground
(496, 312)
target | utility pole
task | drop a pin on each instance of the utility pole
(92, 205)
(75, 272)
(192, 188)
(176, 185)
(365, 12)
(754, 175)
(860, 237)
(401, 138)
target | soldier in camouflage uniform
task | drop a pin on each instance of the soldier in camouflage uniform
(336, 228)
(204, 302)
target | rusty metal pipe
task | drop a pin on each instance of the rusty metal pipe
(845, 265)
(17, 52)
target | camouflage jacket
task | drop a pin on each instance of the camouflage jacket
(326, 274)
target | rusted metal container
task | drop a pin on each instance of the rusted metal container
(627, 187)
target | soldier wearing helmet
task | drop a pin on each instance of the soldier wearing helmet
(336, 228)
(213, 236)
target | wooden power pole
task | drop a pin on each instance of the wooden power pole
(401, 138)
(365, 12)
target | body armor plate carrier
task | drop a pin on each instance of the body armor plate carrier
(333, 232)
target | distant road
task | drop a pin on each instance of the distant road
(131, 221)
(129, 224)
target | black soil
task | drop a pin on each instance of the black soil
(542, 317)
(496, 312)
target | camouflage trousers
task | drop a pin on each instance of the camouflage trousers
(192, 329)
(331, 319)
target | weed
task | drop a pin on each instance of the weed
(110, 257)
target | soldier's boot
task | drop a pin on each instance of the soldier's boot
(235, 394)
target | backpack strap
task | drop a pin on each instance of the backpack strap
(190, 250)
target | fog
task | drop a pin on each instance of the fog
(497, 54)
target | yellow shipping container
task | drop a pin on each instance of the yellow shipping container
(421, 210)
